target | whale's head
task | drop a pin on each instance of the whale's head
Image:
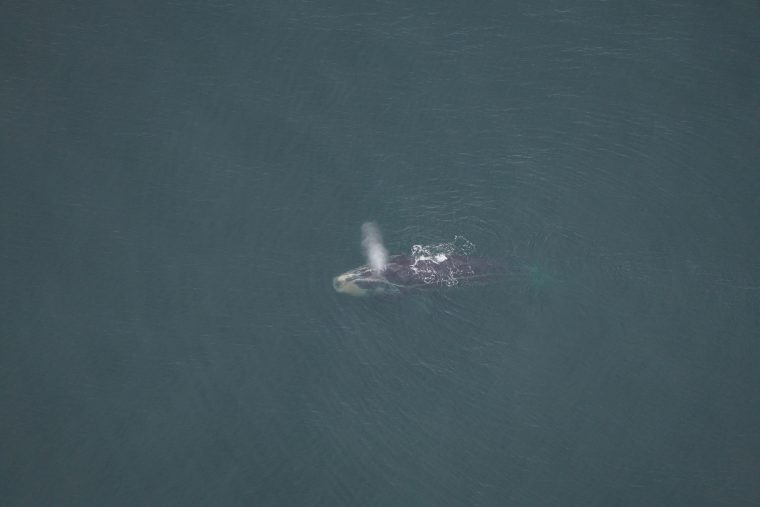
(363, 281)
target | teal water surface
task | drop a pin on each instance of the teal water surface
(182, 181)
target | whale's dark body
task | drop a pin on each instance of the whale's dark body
(403, 273)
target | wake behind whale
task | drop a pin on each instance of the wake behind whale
(428, 267)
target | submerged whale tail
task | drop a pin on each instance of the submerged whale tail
(539, 277)
(372, 243)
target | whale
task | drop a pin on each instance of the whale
(399, 274)
(403, 274)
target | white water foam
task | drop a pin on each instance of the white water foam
(427, 260)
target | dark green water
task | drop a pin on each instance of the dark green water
(181, 181)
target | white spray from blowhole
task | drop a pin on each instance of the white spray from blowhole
(372, 242)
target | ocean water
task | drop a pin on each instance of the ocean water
(182, 181)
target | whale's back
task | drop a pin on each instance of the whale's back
(441, 271)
